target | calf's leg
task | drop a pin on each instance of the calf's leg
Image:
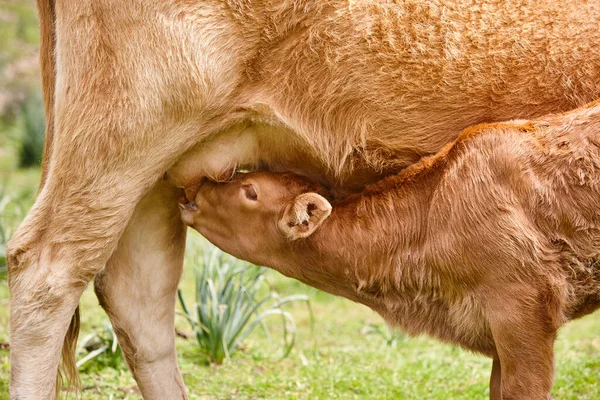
(138, 289)
(524, 335)
(496, 380)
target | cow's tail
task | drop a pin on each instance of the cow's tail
(67, 373)
(48, 72)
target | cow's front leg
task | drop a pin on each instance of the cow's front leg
(138, 289)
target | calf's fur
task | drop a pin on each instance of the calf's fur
(492, 244)
(343, 91)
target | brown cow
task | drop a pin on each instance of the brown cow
(342, 91)
(492, 244)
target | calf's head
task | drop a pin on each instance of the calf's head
(258, 214)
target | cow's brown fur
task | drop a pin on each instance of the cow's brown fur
(342, 91)
(491, 244)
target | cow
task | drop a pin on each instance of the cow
(492, 244)
(342, 91)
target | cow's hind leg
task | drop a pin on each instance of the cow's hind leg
(93, 186)
(51, 259)
(67, 238)
(138, 289)
(135, 88)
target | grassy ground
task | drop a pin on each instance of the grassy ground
(339, 359)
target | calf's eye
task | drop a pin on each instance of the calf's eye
(250, 192)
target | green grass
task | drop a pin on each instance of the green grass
(232, 300)
(338, 360)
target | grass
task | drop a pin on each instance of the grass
(33, 125)
(348, 355)
(231, 301)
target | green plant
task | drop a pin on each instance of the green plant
(102, 348)
(11, 214)
(390, 336)
(230, 304)
(2, 256)
(32, 136)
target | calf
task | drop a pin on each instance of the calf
(492, 243)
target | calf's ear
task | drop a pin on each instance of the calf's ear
(304, 215)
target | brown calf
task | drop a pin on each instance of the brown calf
(492, 244)
(344, 91)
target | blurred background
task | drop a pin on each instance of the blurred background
(293, 342)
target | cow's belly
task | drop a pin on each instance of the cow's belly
(260, 145)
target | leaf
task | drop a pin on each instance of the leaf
(91, 355)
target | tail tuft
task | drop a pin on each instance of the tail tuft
(68, 375)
